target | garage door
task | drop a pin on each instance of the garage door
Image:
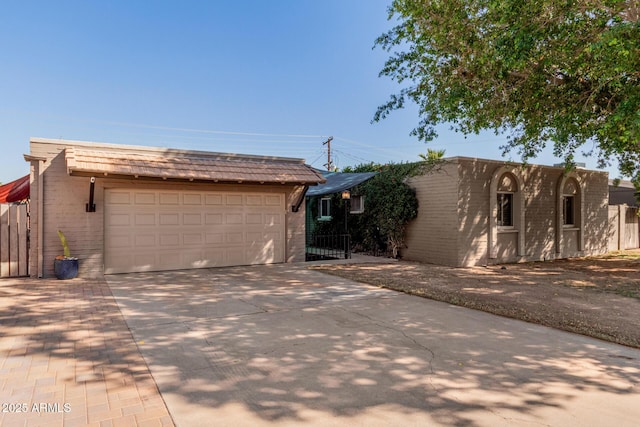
(167, 230)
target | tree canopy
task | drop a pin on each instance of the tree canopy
(563, 72)
(432, 155)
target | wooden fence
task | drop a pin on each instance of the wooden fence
(14, 240)
(624, 231)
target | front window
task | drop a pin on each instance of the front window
(325, 209)
(505, 210)
(357, 204)
(568, 210)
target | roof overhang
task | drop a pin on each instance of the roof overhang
(182, 165)
(338, 181)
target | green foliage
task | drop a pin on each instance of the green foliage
(432, 155)
(389, 205)
(558, 71)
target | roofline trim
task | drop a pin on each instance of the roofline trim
(160, 150)
(150, 178)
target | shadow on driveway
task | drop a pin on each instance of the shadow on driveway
(283, 345)
(68, 358)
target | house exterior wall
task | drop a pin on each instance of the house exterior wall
(540, 193)
(473, 212)
(63, 208)
(463, 231)
(431, 236)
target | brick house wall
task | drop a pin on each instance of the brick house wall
(432, 236)
(461, 230)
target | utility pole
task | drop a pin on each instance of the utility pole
(329, 163)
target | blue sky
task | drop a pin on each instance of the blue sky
(259, 77)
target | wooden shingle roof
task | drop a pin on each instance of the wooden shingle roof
(187, 165)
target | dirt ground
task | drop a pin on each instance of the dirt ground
(594, 296)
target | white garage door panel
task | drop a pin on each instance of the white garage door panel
(166, 230)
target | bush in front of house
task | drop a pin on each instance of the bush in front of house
(389, 205)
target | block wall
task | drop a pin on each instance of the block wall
(431, 236)
(473, 211)
(539, 230)
(452, 227)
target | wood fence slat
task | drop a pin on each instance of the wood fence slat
(23, 255)
(631, 229)
(13, 240)
(4, 240)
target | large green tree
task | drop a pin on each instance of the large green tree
(558, 72)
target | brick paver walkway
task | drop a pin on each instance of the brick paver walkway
(68, 358)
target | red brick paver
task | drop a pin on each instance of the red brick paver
(68, 359)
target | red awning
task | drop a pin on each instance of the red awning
(15, 191)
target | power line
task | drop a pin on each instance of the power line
(317, 158)
(352, 156)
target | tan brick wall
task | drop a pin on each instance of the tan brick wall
(473, 211)
(596, 210)
(540, 199)
(540, 191)
(454, 230)
(296, 239)
(64, 202)
(431, 237)
(63, 205)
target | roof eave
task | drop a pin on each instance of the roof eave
(164, 178)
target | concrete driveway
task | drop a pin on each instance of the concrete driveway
(282, 345)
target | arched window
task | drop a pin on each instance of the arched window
(506, 208)
(507, 188)
(569, 197)
(569, 208)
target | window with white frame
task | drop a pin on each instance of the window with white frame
(505, 209)
(324, 209)
(357, 204)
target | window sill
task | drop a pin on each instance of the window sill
(506, 230)
(570, 228)
(324, 218)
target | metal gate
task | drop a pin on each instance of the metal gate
(332, 246)
(14, 240)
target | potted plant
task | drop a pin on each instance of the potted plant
(65, 266)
